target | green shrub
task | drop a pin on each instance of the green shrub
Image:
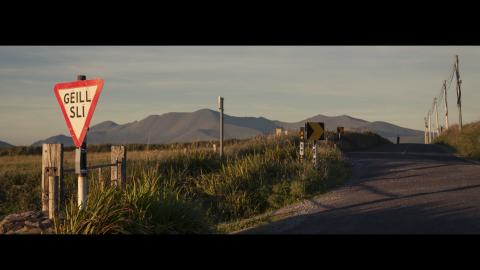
(465, 142)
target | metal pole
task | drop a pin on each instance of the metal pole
(429, 129)
(315, 159)
(220, 107)
(436, 113)
(425, 135)
(446, 103)
(302, 144)
(81, 167)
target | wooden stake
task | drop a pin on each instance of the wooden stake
(52, 191)
(52, 156)
(118, 176)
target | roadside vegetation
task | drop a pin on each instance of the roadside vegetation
(465, 143)
(355, 141)
(187, 188)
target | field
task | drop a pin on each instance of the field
(185, 188)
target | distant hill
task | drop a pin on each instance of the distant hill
(384, 129)
(5, 144)
(203, 125)
(331, 122)
(66, 140)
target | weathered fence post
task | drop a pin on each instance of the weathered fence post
(118, 174)
(101, 181)
(52, 166)
(52, 191)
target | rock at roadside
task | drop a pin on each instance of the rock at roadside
(30, 222)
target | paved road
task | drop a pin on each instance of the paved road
(395, 189)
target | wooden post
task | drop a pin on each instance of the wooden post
(53, 195)
(101, 181)
(118, 174)
(52, 157)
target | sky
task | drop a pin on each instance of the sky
(395, 84)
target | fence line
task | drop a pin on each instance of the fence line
(52, 182)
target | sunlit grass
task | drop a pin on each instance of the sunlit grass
(183, 190)
(465, 142)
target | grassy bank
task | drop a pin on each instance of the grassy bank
(192, 191)
(187, 190)
(466, 142)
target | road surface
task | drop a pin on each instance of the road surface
(394, 189)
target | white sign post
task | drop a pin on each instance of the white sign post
(78, 100)
(220, 107)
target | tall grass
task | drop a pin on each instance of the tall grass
(192, 190)
(188, 192)
(145, 206)
(465, 142)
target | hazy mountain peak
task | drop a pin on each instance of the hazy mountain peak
(5, 144)
(203, 124)
(104, 125)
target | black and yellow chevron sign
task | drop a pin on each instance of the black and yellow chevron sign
(315, 131)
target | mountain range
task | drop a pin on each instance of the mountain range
(203, 125)
(5, 144)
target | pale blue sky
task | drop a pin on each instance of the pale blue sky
(288, 83)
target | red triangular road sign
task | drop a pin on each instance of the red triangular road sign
(78, 100)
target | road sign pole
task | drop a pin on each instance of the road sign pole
(436, 117)
(81, 167)
(425, 135)
(220, 107)
(314, 151)
(302, 144)
(429, 129)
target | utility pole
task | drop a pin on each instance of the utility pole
(459, 92)
(436, 115)
(81, 167)
(446, 103)
(220, 107)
